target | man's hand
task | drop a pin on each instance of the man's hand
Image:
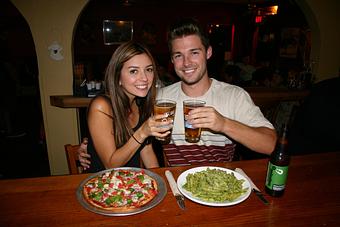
(206, 117)
(83, 156)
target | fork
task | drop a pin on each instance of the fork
(180, 201)
(173, 185)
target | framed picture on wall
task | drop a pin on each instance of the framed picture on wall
(116, 32)
(290, 38)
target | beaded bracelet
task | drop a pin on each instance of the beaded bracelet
(135, 139)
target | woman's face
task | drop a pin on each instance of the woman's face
(137, 76)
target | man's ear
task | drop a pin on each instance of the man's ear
(209, 52)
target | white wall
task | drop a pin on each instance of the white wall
(323, 18)
(49, 21)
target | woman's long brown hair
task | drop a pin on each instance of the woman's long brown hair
(119, 100)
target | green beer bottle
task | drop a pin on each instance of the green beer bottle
(278, 166)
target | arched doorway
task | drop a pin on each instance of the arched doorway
(22, 139)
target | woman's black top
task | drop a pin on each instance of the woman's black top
(97, 165)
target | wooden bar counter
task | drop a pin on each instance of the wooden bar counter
(69, 101)
(311, 199)
(262, 97)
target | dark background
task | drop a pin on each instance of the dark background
(23, 151)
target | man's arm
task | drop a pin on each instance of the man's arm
(259, 139)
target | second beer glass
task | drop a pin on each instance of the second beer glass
(192, 135)
(167, 108)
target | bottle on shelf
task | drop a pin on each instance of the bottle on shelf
(278, 164)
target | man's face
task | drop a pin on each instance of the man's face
(190, 58)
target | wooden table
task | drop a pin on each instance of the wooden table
(311, 199)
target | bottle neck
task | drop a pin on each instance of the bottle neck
(282, 142)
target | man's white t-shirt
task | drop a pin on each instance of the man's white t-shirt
(229, 100)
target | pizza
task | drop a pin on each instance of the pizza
(120, 190)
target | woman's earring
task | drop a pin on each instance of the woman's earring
(120, 83)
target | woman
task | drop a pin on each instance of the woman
(120, 121)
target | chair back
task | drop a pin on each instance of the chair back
(72, 159)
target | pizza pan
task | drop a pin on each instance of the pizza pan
(158, 198)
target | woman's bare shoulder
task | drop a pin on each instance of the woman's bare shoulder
(102, 104)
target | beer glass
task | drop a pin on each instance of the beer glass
(167, 108)
(192, 135)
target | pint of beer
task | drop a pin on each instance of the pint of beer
(192, 135)
(167, 108)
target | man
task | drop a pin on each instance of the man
(229, 115)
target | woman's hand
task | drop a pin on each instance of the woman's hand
(157, 125)
(83, 156)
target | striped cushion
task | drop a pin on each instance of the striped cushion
(197, 154)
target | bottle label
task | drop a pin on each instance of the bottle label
(276, 177)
